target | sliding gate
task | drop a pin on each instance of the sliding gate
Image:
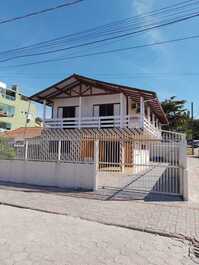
(142, 163)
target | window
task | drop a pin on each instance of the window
(9, 94)
(5, 126)
(106, 110)
(8, 111)
(67, 112)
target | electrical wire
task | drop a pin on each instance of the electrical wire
(42, 11)
(28, 51)
(105, 52)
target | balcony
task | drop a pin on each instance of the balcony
(6, 110)
(131, 122)
(3, 114)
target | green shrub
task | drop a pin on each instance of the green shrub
(6, 150)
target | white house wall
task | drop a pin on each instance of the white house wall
(88, 102)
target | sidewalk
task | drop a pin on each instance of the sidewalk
(170, 219)
(175, 219)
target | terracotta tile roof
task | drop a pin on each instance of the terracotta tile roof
(22, 133)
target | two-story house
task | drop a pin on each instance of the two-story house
(82, 104)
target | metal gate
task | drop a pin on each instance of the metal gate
(142, 163)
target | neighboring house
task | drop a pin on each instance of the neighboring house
(16, 110)
(22, 133)
(82, 103)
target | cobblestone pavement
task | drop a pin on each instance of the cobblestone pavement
(174, 219)
(35, 238)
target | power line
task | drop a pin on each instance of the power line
(106, 52)
(42, 11)
(102, 31)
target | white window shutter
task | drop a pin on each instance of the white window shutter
(59, 113)
(116, 109)
(96, 111)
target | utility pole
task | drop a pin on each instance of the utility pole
(192, 143)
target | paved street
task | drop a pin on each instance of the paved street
(35, 238)
(178, 219)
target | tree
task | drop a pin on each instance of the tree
(6, 151)
(177, 114)
(194, 125)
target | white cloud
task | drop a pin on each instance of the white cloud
(144, 6)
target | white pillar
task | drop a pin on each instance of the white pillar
(59, 150)
(142, 114)
(121, 110)
(153, 119)
(44, 112)
(96, 161)
(80, 112)
(26, 150)
(149, 113)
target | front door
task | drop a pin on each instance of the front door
(68, 113)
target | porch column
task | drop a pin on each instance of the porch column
(149, 113)
(142, 112)
(80, 112)
(121, 110)
(44, 112)
(153, 119)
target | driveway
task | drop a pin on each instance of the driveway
(36, 238)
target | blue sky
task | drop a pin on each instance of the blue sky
(167, 63)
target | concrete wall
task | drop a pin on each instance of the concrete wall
(63, 175)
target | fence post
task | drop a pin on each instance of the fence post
(96, 162)
(59, 150)
(26, 150)
(122, 160)
(184, 176)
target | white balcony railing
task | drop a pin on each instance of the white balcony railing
(151, 128)
(95, 122)
(128, 121)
